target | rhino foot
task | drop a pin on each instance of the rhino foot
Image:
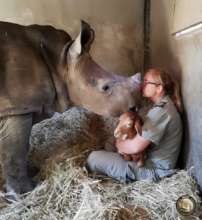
(19, 186)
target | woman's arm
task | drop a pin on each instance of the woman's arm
(132, 146)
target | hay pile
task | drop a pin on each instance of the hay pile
(67, 191)
(74, 130)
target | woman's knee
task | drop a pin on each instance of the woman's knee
(99, 161)
(108, 163)
(92, 160)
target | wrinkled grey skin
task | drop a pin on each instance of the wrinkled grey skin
(42, 71)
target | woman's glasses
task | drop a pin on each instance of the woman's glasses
(152, 83)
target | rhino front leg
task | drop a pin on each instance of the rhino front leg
(14, 145)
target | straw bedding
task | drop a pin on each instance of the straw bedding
(65, 190)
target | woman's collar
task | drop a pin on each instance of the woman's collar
(162, 101)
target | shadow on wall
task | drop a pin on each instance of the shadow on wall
(185, 153)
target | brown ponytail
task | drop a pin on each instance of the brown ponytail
(171, 87)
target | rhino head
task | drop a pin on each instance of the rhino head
(92, 87)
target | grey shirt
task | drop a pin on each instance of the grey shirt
(163, 127)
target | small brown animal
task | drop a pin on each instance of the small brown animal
(129, 125)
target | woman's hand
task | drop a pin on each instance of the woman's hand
(132, 146)
(119, 144)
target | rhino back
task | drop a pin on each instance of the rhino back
(25, 81)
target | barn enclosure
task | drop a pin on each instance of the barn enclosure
(131, 36)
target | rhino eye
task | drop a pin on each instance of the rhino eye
(105, 88)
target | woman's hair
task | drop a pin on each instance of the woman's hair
(171, 88)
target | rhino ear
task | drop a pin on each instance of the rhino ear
(83, 41)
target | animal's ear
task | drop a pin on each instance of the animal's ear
(63, 55)
(138, 128)
(83, 41)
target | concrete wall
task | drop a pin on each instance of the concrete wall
(183, 57)
(186, 13)
(118, 25)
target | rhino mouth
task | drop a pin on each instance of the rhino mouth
(133, 109)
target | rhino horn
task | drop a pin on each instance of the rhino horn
(136, 78)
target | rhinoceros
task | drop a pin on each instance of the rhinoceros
(42, 70)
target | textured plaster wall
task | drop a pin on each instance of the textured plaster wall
(118, 24)
(183, 57)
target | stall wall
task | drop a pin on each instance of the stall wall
(183, 58)
(118, 25)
